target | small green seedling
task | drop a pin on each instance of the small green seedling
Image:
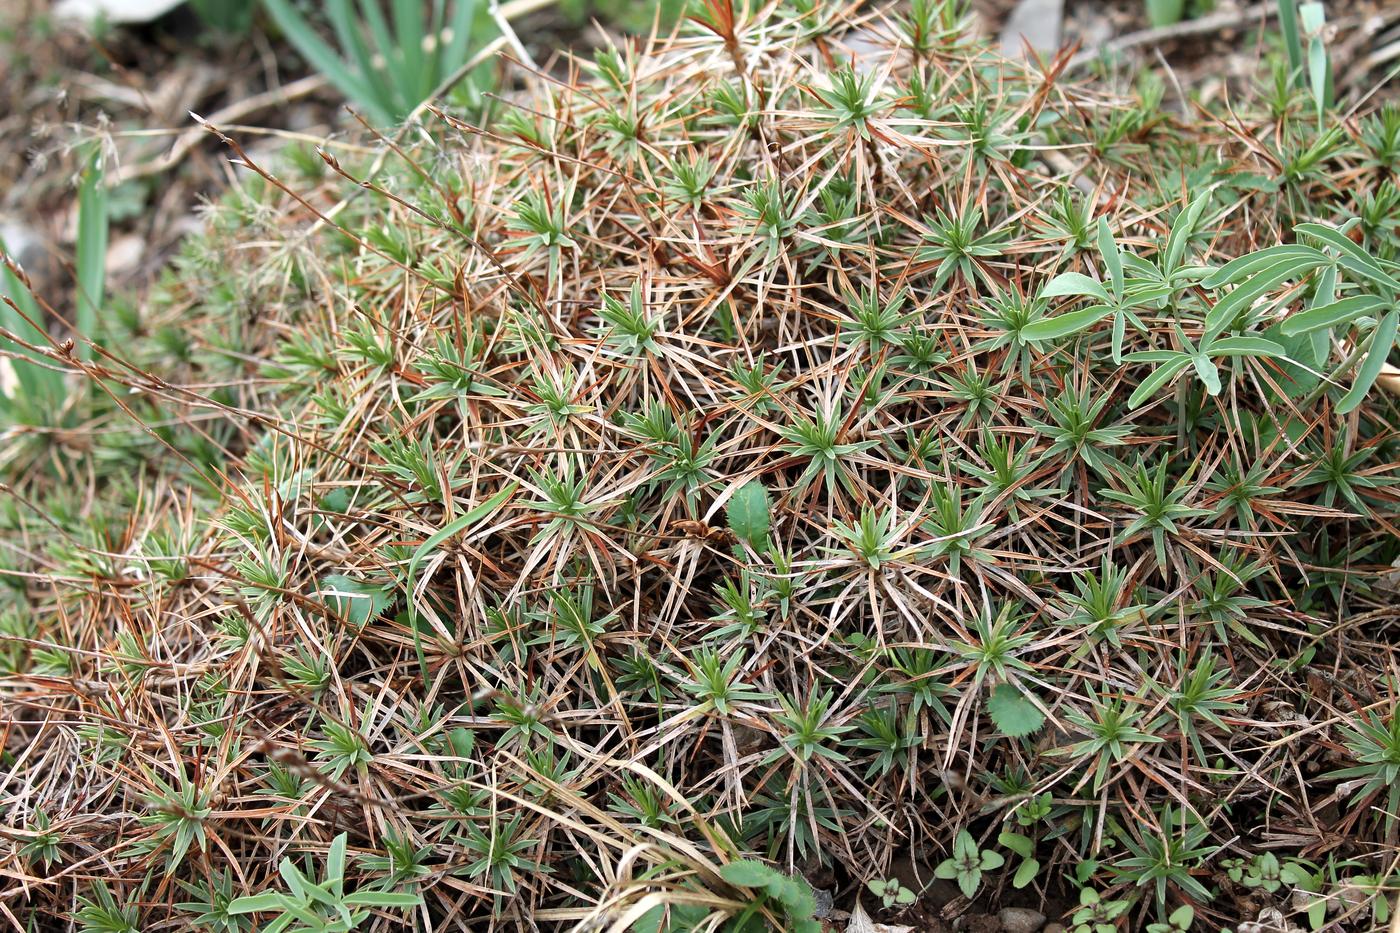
(890, 892)
(968, 863)
(1179, 921)
(1023, 846)
(1096, 915)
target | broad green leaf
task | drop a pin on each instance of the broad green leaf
(1237, 270)
(750, 513)
(1182, 229)
(1301, 362)
(1207, 371)
(1165, 12)
(1292, 40)
(1246, 345)
(463, 16)
(1353, 257)
(1159, 377)
(1053, 328)
(1026, 873)
(1146, 293)
(382, 899)
(1345, 311)
(1076, 284)
(1382, 340)
(1152, 356)
(1021, 845)
(1120, 325)
(296, 881)
(411, 30)
(1313, 18)
(1012, 713)
(335, 859)
(39, 381)
(1251, 290)
(323, 58)
(253, 903)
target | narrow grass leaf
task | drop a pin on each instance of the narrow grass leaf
(92, 251)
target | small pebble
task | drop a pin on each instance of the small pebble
(1020, 920)
(23, 244)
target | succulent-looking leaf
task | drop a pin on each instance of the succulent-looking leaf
(1382, 340)
(1160, 377)
(1112, 258)
(1068, 284)
(1345, 311)
(1026, 873)
(1052, 328)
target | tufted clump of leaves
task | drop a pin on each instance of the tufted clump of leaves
(751, 466)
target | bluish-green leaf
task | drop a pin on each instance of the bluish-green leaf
(324, 59)
(1237, 270)
(356, 601)
(1345, 311)
(1382, 340)
(1252, 289)
(1207, 372)
(1352, 257)
(1112, 259)
(1159, 377)
(1021, 845)
(1074, 284)
(1062, 325)
(1182, 229)
(1246, 345)
(91, 257)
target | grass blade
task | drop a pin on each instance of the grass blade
(92, 250)
(411, 31)
(322, 57)
(1288, 25)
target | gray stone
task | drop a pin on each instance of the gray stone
(112, 11)
(24, 245)
(1033, 21)
(1020, 920)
